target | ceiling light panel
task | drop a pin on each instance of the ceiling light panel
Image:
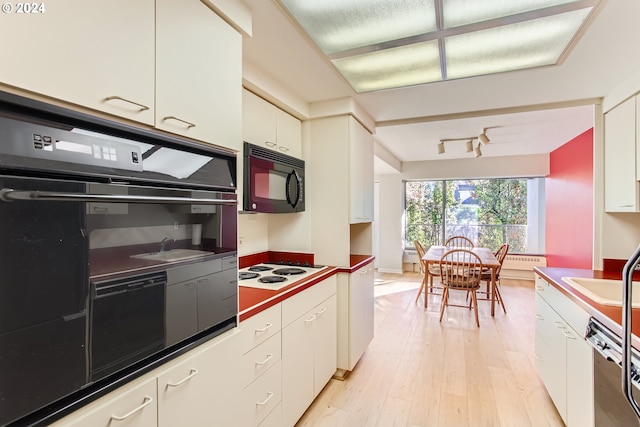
(463, 12)
(404, 66)
(527, 44)
(338, 25)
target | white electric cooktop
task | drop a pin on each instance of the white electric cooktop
(275, 276)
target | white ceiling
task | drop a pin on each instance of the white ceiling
(536, 110)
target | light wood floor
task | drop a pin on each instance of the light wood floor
(420, 372)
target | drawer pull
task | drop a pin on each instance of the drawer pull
(147, 401)
(322, 310)
(269, 356)
(539, 358)
(192, 374)
(559, 324)
(264, 402)
(539, 317)
(119, 98)
(539, 288)
(178, 119)
(569, 335)
(310, 320)
(259, 331)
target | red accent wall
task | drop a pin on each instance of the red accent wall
(569, 204)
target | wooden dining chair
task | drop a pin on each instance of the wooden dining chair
(485, 276)
(459, 272)
(434, 270)
(459, 242)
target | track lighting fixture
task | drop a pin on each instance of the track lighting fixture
(469, 145)
(483, 138)
(477, 151)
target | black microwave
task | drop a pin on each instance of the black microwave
(273, 182)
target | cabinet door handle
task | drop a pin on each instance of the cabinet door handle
(539, 317)
(559, 324)
(269, 356)
(264, 402)
(189, 124)
(147, 401)
(119, 98)
(539, 288)
(192, 374)
(259, 331)
(322, 310)
(569, 335)
(270, 144)
(310, 320)
(283, 149)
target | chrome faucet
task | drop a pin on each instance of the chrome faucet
(166, 241)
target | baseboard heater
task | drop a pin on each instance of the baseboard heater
(521, 266)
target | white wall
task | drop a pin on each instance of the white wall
(390, 224)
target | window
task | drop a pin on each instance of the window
(490, 212)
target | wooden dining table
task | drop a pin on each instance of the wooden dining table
(486, 255)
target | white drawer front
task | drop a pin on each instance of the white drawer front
(299, 304)
(262, 396)
(258, 361)
(260, 327)
(569, 310)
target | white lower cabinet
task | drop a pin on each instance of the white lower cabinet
(308, 347)
(355, 315)
(202, 386)
(133, 405)
(563, 358)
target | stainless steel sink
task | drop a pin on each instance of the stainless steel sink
(603, 291)
(172, 255)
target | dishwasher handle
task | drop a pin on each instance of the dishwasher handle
(627, 282)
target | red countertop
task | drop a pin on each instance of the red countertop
(252, 300)
(608, 315)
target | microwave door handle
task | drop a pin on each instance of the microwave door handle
(293, 175)
(9, 195)
(627, 278)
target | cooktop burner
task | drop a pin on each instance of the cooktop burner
(244, 275)
(289, 271)
(260, 268)
(272, 279)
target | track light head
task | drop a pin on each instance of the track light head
(441, 147)
(477, 151)
(469, 145)
(483, 138)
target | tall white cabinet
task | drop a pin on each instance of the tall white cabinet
(340, 189)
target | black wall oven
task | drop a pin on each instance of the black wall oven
(103, 227)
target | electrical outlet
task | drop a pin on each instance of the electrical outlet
(240, 240)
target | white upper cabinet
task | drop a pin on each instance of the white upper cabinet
(360, 173)
(265, 124)
(96, 54)
(198, 74)
(172, 64)
(620, 164)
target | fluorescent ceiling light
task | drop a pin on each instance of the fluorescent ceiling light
(383, 44)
